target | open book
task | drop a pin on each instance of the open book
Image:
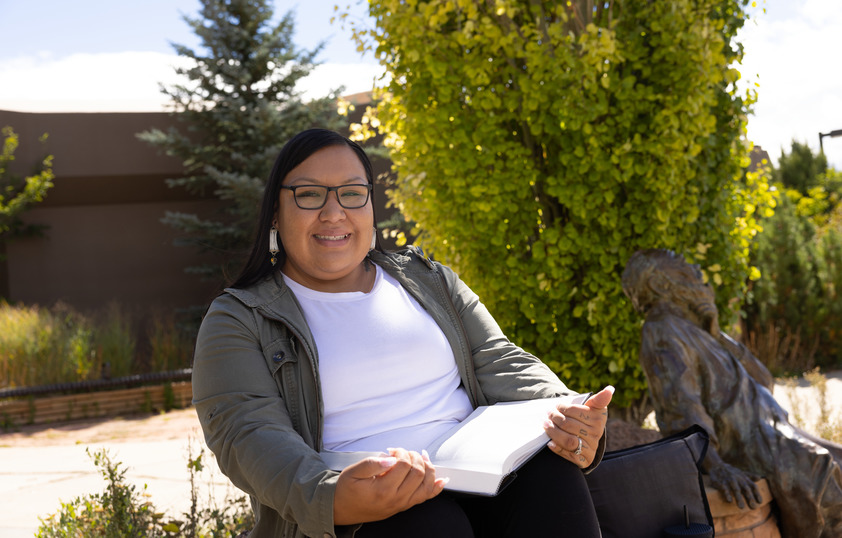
(481, 454)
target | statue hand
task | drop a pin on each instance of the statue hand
(735, 484)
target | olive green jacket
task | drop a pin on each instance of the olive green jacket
(257, 392)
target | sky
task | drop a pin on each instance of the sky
(111, 55)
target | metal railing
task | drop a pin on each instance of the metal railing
(98, 384)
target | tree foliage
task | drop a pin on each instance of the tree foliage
(800, 169)
(538, 144)
(793, 315)
(237, 106)
(18, 193)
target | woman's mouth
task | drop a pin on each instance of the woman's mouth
(332, 237)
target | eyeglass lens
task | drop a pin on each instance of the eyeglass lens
(314, 196)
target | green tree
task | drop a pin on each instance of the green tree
(18, 193)
(538, 144)
(793, 315)
(806, 179)
(783, 302)
(237, 106)
(800, 170)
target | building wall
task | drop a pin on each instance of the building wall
(94, 254)
(104, 240)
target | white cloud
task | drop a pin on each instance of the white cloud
(129, 81)
(793, 55)
(356, 78)
(125, 82)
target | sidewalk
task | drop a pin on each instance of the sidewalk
(42, 466)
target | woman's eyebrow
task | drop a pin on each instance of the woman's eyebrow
(307, 180)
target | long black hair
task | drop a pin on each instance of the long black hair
(294, 152)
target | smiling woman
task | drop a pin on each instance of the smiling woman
(326, 238)
(321, 241)
(325, 341)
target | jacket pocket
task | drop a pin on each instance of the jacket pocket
(283, 364)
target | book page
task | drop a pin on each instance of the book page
(478, 454)
(495, 438)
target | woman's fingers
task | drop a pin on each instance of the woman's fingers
(575, 430)
(376, 488)
(417, 475)
(570, 447)
(601, 399)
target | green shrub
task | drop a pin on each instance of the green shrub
(170, 344)
(539, 144)
(42, 346)
(830, 273)
(118, 511)
(17, 193)
(114, 340)
(121, 511)
(793, 313)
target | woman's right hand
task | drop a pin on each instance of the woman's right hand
(377, 488)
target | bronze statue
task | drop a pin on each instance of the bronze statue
(699, 375)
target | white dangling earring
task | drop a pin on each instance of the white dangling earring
(273, 245)
(373, 239)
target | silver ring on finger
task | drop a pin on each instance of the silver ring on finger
(578, 450)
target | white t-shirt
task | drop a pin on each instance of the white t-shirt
(388, 374)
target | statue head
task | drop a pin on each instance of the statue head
(656, 276)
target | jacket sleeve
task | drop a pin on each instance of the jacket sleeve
(505, 372)
(246, 425)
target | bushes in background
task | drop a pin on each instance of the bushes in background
(41, 346)
(793, 313)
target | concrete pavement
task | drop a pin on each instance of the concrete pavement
(34, 480)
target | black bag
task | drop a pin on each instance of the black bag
(640, 491)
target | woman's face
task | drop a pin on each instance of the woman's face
(325, 248)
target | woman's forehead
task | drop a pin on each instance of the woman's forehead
(332, 165)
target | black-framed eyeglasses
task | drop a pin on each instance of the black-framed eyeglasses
(315, 196)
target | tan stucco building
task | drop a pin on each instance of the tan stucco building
(104, 239)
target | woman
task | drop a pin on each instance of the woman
(325, 341)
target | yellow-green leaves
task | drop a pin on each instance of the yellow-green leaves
(19, 193)
(537, 147)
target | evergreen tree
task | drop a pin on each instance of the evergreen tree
(238, 105)
(800, 169)
(793, 317)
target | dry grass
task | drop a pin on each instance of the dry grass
(782, 350)
(815, 415)
(41, 346)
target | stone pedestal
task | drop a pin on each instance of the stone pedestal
(732, 522)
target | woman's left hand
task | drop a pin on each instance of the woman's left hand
(575, 430)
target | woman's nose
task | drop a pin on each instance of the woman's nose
(332, 211)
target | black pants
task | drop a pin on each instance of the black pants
(548, 498)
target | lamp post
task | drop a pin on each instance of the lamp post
(831, 134)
